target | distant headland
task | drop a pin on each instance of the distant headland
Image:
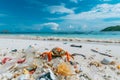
(112, 28)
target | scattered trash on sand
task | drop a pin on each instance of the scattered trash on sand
(56, 64)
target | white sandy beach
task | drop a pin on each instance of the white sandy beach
(103, 72)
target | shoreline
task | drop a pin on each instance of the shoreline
(86, 40)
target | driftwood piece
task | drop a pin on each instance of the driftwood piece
(101, 53)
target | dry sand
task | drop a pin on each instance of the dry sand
(104, 72)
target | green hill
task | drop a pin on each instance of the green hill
(112, 28)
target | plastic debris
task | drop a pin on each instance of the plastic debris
(64, 69)
(14, 50)
(47, 76)
(21, 60)
(32, 49)
(31, 69)
(6, 59)
(7, 66)
(79, 46)
(8, 75)
(107, 61)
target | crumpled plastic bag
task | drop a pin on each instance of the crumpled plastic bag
(7, 66)
(32, 49)
(64, 69)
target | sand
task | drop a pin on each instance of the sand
(105, 72)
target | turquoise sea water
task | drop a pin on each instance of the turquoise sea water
(98, 35)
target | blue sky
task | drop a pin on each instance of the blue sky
(58, 15)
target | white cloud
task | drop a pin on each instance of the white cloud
(99, 12)
(93, 20)
(59, 9)
(49, 26)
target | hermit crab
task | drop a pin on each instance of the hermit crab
(57, 52)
